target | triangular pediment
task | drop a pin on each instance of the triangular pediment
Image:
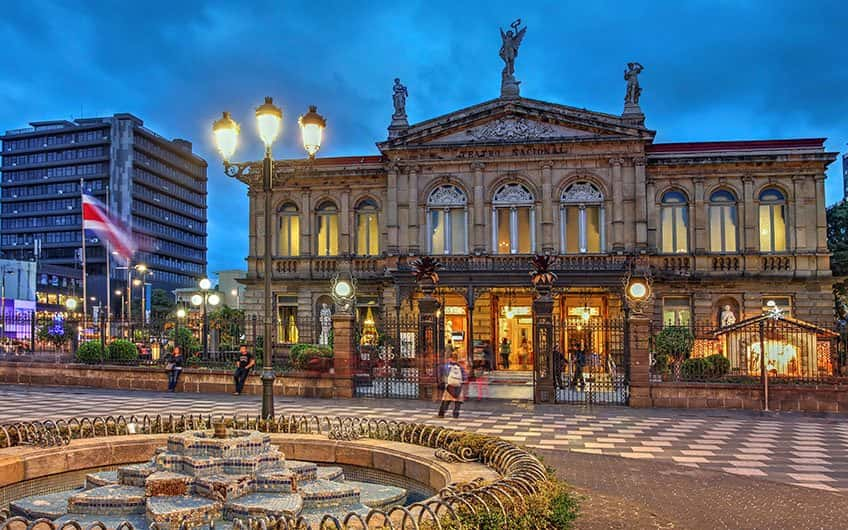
(516, 121)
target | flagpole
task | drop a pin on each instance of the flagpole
(84, 275)
(108, 250)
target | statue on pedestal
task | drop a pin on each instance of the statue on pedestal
(325, 318)
(631, 96)
(399, 121)
(511, 41)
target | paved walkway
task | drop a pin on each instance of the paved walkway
(801, 450)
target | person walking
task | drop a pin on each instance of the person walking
(579, 357)
(245, 362)
(505, 351)
(453, 377)
(174, 367)
(559, 364)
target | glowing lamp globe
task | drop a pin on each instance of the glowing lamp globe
(343, 289)
(312, 127)
(637, 290)
(205, 284)
(71, 304)
(214, 299)
(181, 313)
(269, 119)
(196, 299)
(226, 132)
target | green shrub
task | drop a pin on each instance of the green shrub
(122, 350)
(675, 341)
(90, 352)
(300, 355)
(721, 365)
(696, 369)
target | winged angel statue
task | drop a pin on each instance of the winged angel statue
(509, 49)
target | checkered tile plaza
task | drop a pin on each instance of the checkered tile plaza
(794, 449)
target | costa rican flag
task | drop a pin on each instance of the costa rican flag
(95, 217)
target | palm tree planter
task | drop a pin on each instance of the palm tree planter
(542, 277)
(426, 274)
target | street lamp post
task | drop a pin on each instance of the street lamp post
(269, 120)
(3, 297)
(204, 300)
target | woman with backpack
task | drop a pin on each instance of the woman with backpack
(453, 377)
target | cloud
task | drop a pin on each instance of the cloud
(714, 70)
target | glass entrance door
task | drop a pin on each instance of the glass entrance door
(515, 331)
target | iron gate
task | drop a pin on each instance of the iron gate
(591, 364)
(387, 363)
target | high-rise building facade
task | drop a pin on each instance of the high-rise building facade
(154, 185)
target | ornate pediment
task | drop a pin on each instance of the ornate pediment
(515, 121)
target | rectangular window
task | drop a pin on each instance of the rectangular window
(676, 311)
(593, 229)
(289, 235)
(328, 235)
(457, 231)
(503, 239)
(437, 232)
(723, 229)
(287, 332)
(674, 221)
(784, 303)
(524, 231)
(572, 230)
(367, 242)
(772, 228)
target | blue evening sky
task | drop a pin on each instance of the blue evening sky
(714, 70)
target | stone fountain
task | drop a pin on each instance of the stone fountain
(203, 476)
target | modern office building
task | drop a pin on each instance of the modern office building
(154, 185)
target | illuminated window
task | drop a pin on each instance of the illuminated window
(328, 229)
(367, 229)
(772, 221)
(582, 219)
(447, 220)
(723, 221)
(288, 234)
(674, 218)
(676, 311)
(513, 220)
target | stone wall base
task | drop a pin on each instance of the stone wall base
(193, 380)
(807, 398)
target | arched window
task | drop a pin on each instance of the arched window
(513, 220)
(328, 229)
(582, 219)
(723, 222)
(772, 221)
(674, 218)
(367, 229)
(288, 231)
(447, 220)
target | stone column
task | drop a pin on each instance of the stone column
(821, 215)
(547, 210)
(403, 212)
(799, 215)
(306, 219)
(653, 213)
(427, 343)
(638, 334)
(617, 205)
(392, 209)
(698, 217)
(343, 354)
(641, 203)
(544, 391)
(345, 241)
(413, 211)
(751, 233)
(478, 246)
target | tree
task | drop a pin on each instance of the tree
(675, 342)
(229, 323)
(55, 333)
(837, 242)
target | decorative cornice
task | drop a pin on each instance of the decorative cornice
(513, 128)
(616, 161)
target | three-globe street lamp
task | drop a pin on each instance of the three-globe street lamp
(269, 120)
(205, 299)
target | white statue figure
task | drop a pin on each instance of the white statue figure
(325, 318)
(510, 42)
(727, 317)
(631, 75)
(399, 100)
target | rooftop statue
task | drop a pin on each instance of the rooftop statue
(631, 75)
(511, 41)
(399, 99)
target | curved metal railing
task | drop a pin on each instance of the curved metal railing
(521, 474)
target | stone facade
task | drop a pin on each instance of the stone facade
(717, 223)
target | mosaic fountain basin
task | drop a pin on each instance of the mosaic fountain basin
(198, 478)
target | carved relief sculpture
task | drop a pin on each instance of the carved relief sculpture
(727, 317)
(512, 129)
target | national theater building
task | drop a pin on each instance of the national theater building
(717, 223)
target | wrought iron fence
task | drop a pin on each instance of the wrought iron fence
(590, 361)
(386, 363)
(783, 349)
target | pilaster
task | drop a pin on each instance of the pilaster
(641, 203)
(413, 239)
(547, 210)
(751, 233)
(392, 209)
(699, 218)
(617, 205)
(478, 245)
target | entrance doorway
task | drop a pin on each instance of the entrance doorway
(515, 338)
